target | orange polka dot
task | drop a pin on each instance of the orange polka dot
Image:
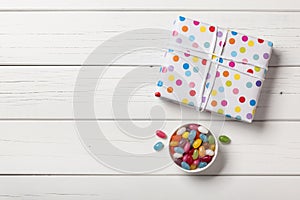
(231, 41)
(170, 89)
(185, 28)
(175, 58)
(225, 73)
(214, 103)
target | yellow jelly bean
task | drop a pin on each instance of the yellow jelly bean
(202, 151)
(197, 143)
(212, 147)
(174, 143)
(185, 135)
(193, 166)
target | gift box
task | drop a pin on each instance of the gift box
(214, 69)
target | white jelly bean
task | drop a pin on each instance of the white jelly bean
(202, 129)
(181, 131)
(209, 152)
(177, 155)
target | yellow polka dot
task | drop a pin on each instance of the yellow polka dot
(202, 28)
(185, 101)
(253, 111)
(242, 49)
(257, 69)
(214, 93)
(237, 109)
(250, 43)
(213, 57)
(195, 59)
(221, 111)
(228, 83)
(237, 77)
(171, 78)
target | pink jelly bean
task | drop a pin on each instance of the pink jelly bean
(161, 134)
(193, 126)
(196, 162)
(186, 147)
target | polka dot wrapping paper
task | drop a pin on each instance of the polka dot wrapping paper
(214, 69)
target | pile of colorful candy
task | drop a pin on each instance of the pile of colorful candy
(192, 147)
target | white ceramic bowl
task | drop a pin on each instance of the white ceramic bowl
(177, 161)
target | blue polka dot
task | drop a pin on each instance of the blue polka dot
(238, 117)
(159, 83)
(196, 69)
(255, 57)
(227, 115)
(221, 60)
(233, 33)
(270, 44)
(191, 104)
(221, 89)
(188, 73)
(252, 102)
(206, 45)
(192, 38)
(249, 85)
(186, 66)
(170, 50)
(207, 85)
(181, 18)
(233, 53)
(258, 83)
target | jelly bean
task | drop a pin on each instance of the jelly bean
(177, 155)
(158, 146)
(206, 159)
(197, 143)
(178, 161)
(173, 143)
(182, 142)
(184, 158)
(206, 145)
(211, 139)
(193, 166)
(202, 151)
(161, 134)
(202, 129)
(187, 147)
(176, 138)
(203, 137)
(185, 135)
(186, 166)
(196, 162)
(172, 150)
(202, 164)
(189, 159)
(212, 147)
(195, 154)
(192, 135)
(209, 152)
(181, 131)
(193, 126)
(224, 139)
(179, 150)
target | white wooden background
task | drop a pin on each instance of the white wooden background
(43, 44)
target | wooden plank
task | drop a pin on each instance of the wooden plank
(67, 38)
(54, 147)
(148, 5)
(47, 93)
(138, 187)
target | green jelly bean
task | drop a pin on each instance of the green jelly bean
(211, 139)
(224, 139)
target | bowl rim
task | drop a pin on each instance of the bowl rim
(197, 170)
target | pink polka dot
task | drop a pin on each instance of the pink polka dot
(187, 54)
(195, 45)
(224, 103)
(245, 38)
(231, 64)
(235, 91)
(196, 23)
(179, 82)
(218, 74)
(220, 43)
(192, 84)
(174, 33)
(245, 61)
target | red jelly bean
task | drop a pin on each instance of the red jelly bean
(189, 159)
(206, 159)
(161, 134)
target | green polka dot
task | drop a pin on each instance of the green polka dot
(242, 49)
(228, 83)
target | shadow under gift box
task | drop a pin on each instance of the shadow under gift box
(214, 69)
